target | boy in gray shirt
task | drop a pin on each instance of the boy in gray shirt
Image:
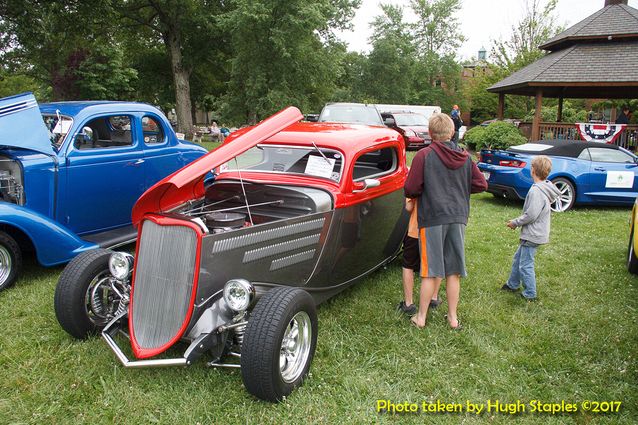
(535, 224)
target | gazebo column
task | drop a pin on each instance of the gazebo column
(559, 117)
(536, 124)
(501, 106)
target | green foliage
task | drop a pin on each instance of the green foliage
(497, 135)
(550, 113)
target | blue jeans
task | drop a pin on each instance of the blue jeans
(523, 270)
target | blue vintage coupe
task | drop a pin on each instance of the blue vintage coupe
(585, 172)
(70, 173)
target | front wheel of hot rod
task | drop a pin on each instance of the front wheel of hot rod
(279, 343)
(85, 300)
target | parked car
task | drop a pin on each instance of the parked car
(70, 173)
(585, 172)
(352, 113)
(632, 259)
(413, 127)
(234, 266)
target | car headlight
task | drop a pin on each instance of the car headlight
(238, 293)
(410, 133)
(120, 265)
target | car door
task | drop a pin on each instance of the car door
(104, 174)
(161, 156)
(612, 175)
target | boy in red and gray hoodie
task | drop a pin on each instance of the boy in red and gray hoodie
(441, 177)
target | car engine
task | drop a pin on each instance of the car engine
(11, 187)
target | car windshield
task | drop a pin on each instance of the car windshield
(310, 161)
(58, 126)
(357, 114)
(410, 119)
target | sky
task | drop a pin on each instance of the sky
(481, 21)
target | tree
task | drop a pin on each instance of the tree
(537, 26)
(185, 27)
(282, 54)
(37, 42)
(389, 74)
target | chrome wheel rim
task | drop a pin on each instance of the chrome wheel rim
(101, 301)
(295, 347)
(565, 198)
(5, 264)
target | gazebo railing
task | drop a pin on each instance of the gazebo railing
(627, 139)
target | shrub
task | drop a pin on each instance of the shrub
(497, 135)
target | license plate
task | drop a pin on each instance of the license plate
(486, 174)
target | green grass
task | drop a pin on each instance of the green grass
(578, 343)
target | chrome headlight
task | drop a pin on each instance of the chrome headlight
(120, 265)
(238, 294)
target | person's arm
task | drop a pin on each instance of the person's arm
(414, 183)
(533, 210)
(479, 184)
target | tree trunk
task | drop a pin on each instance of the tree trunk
(181, 79)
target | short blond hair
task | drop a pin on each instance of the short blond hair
(441, 127)
(541, 165)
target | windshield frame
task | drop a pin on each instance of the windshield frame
(329, 152)
(62, 139)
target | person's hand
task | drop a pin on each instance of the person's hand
(511, 224)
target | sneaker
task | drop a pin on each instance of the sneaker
(507, 288)
(531, 300)
(407, 309)
(435, 303)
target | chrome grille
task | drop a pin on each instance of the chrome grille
(164, 278)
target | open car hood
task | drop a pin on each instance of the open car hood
(21, 124)
(188, 183)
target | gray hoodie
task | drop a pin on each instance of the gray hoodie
(535, 220)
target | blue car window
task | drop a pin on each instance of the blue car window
(153, 133)
(609, 155)
(105, 132)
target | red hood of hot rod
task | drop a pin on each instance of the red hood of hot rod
(188, 183)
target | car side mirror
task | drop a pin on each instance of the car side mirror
(365, 185)
(390, 122)
(312, 117)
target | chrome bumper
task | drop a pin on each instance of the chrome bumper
(109, 332)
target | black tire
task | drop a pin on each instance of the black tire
(568, 195)
(632, 261)
(269, 322)
(72, 298)
(10, 261)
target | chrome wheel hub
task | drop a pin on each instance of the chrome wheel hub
(564, 199)
(295, 347)
(5, 264)
(104, 300)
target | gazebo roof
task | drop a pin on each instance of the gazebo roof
(617, 21)
(596, 58)
(592, 70)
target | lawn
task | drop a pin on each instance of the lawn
(578, 343)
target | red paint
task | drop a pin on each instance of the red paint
(187, 183)
(143, 353)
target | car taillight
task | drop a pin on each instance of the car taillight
(512, 163)
(486, 157)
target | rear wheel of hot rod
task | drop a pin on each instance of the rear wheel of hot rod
(10, 261)
(84, 298)
(279, 343)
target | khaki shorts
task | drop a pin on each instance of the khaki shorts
(442, 250)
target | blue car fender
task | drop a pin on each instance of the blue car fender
(54, 244)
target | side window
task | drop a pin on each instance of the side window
(609, 155)
(105, 132)
(584, 155)
(152, 130)
(375, 164)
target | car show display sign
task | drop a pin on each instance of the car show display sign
(605, 133)
(620, 179)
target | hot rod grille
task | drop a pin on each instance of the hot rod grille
(163, 284)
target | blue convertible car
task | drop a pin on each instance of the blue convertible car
(70, 173)
(584, 172)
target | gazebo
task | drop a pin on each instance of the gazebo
(596, 58)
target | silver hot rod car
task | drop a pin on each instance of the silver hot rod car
(236, 249)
